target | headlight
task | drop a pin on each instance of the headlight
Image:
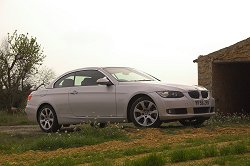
(170, 94)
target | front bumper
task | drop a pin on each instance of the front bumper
(182, 108)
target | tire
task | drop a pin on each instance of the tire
(144, 113)
(47, 119)
(193, 122)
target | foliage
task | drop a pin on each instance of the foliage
(20, 59)
(41, 78)
(19, 56)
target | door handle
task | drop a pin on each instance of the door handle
(74, 92)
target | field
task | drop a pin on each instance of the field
(223, 140)
(19, 118)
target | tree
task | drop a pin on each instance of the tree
(42, 78)
(20, 56)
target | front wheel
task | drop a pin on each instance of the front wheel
(192, 122)
(47, 119)
(144, 113)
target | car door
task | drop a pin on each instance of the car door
(88, 99)
(58, 95)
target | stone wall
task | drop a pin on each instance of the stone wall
(205, 72)
(239, 52)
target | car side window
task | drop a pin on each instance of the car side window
(87, 77)
(65, 81)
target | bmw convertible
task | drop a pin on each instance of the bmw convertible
(117, 94)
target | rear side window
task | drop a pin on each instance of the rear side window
(87, 77)
(79, 78)
(65, 81)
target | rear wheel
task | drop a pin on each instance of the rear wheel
(192, 122)
(144, 113)
(47, 119)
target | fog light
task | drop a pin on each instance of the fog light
(176, 111)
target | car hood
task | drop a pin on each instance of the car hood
(186, 87)
(161, 86)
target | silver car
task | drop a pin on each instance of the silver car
(117, 94)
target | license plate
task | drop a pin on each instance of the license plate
(201, 102)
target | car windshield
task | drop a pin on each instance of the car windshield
(129, 75)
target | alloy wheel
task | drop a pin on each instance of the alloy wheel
(145, 113)
(46, 118)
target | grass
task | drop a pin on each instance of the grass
(181, 155)
(154, 155)
(196, 141)
(91, 157)
(227, 148)
(99, 158)
(162, 154)
(238, 148)
(13, 119)
(231, 160)
(210, 151)
(87, 136)
(136, 151)
(45, 142)
(150, 160)
(228, 120)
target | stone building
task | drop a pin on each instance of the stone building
(226, 73)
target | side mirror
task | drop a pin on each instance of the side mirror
(104, 81)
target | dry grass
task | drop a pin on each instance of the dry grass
(142, 143)
(172, 144)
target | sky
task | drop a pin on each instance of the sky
(160, 37)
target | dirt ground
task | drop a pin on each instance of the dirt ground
(150, 137)
(24, 129)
